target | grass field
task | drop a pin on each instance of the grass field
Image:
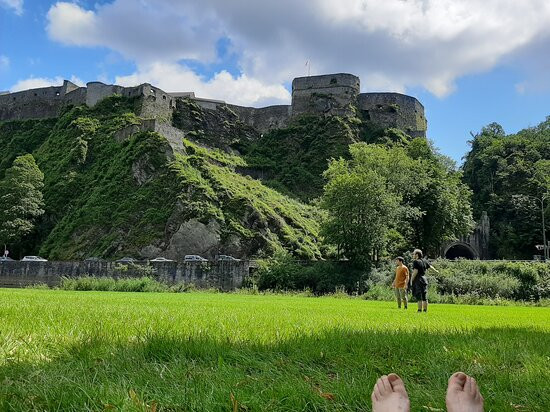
(62, 350)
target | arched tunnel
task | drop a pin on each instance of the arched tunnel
(460, 251)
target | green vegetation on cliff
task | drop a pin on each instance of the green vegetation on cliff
(109, 193)
(293, 159)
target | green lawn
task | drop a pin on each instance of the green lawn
(64, 350)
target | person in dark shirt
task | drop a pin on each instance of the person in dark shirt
(419, 281)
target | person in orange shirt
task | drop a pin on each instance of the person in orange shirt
(400, 282)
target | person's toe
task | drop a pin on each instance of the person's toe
(376, 392)
(397, 384)
(384, 385)
(457, 381)
(373, 396)
(473, 386)
(469, 386)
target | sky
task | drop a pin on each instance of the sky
(469, 62)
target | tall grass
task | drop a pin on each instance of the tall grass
(142, 284)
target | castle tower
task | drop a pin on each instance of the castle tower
(393, 110)
(331, 94)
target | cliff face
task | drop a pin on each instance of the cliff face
(114, 188)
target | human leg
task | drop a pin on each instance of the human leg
(398, 297)
(424, 299)
(389, 395)
(417, 293)
(404, 297)
(463, 394)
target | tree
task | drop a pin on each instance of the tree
(442, 197)
(21, 199)
(360, 208)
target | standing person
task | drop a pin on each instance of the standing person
(400, 282)
(419, 281)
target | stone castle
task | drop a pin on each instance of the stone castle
(332, 94)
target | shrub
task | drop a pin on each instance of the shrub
(285, 273)
(379, 292)
(510, 280)
(483, 285)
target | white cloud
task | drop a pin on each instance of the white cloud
(138, 30)
(75, 26)
(393, 44)
(15, 5)
(37, 82)
(242, 90)
(4, 62)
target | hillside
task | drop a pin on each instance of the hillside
(110, 193)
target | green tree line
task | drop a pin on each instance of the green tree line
(510, 179)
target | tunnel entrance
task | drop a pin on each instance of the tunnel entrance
(460, 250)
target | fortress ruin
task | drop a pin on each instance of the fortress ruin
(326, 95)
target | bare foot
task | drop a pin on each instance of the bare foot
(389, 394)
(463, 394)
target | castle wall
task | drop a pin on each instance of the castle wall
(68, 87)
(332, 94)
(31, 104)
(327, 95)
(97, 91)
(156, 103)
(208, 103)
(173, 135)
(265, 118)
(394, 110)
(76, 97)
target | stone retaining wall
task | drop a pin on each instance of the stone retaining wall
(225, 275)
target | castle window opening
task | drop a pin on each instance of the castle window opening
(163, 97)
(14, 98)
(36, 94)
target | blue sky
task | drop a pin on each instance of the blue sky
(469, 62)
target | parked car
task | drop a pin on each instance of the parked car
(161, 259)
(228, 258)
(33, 259)
(194, 258)
(126, 260)
(6, 259)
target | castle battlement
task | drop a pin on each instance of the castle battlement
(326, 95)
